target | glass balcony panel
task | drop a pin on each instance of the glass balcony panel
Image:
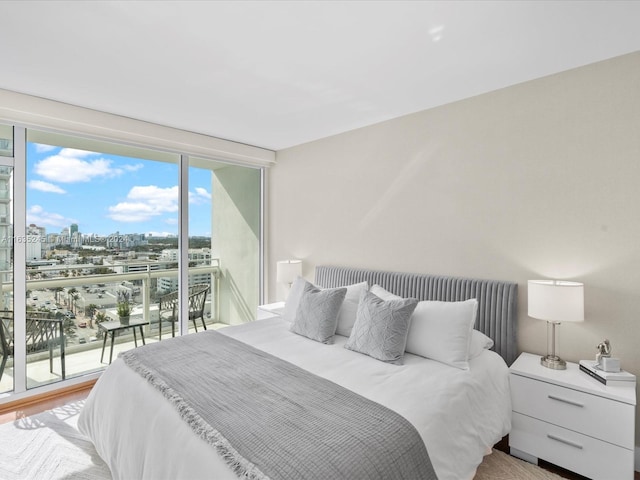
(82, 303)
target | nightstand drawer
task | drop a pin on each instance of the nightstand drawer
(579, 453)
(591, 415)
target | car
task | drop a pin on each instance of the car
(82, 324)
(34, 298)
(82, 340)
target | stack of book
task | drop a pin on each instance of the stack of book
(621, 378)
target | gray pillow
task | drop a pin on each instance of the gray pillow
(317, 314)
(381, 327)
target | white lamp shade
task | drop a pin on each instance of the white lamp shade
(556, 300)
(288, 270)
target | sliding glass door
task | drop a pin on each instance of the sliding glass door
(100, 219)
(6, 256)
(115, 245)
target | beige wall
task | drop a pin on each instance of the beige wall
(539, 180)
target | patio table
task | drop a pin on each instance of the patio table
(110, 328)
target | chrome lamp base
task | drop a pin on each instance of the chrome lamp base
(553, 362)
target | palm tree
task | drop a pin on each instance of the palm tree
(70, 293)
(91, 310)
(75, 297)
(100, 317)
(56, 292)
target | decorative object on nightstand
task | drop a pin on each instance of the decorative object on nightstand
(288, 270)
(604, 350)
(604, 361)
(555, 301)
(570, 420)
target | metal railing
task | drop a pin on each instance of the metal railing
(143, 275)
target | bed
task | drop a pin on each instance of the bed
(142, 431)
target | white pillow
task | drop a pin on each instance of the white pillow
(348, 311)
(293, 299)
(479, 343)
(439, 330)
(442, 331)
(383, 294)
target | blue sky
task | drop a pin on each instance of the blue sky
(107, 193)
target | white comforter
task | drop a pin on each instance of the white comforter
(459, 414)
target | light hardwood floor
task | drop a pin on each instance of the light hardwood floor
(23, 408)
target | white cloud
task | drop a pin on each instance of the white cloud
(36, 214)
(200, 196)
(144, 203)
(42, 148)
(203, 192)
(45, 186)
(72, 165)
(74, 152)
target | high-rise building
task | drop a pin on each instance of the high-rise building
(65, 236)
(35, 239)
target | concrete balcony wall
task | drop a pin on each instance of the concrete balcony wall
(236, 241)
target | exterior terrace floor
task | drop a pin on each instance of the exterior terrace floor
(81, 360)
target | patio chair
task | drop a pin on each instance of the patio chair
(42, 334)
(6, 339)
(169, 311)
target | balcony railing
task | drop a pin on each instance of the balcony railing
(84, 300)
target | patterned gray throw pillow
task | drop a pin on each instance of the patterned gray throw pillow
(317, 314)
(382, 327)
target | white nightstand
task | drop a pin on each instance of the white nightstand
(270, 310)
(568, 418)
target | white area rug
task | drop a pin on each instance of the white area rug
(49, 446)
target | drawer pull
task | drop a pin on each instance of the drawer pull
(566, 442)
(564, 400)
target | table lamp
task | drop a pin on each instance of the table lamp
(288, 270)
(555, 301)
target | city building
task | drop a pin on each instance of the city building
(197, 256)
(35, 242)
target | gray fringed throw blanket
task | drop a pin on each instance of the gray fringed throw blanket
(270, 419)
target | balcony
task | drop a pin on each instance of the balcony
(84, 300)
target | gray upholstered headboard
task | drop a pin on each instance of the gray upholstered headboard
(497, 300)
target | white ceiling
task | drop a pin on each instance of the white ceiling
(276, 74)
